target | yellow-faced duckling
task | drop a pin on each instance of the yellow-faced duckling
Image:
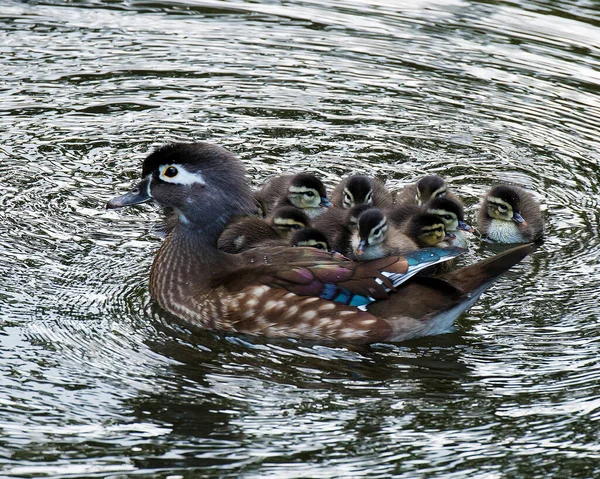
(286, 291)
(360, 189)
(302, 190)
(427, 230)
(452, 214)
(509, 214)
(426, 189)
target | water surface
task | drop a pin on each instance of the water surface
(96, 381)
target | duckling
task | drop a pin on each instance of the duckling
(360, 189)
(375, 238)
(427, 230)
(249, 232)
(339, 225)
(285, 291)
(424, 190)
(510, 214)
(303, 190)
(310, 237)
(453, 216)
(286, 219)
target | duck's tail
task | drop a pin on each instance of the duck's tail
(482, 274)
(427, 306)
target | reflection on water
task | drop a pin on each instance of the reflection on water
(97, 382)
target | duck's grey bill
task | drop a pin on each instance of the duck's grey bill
(136, 196)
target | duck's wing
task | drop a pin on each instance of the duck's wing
(310, 272)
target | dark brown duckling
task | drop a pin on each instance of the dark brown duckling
(426, 189)
(287, 219)
(339, 225)
(510, 214)
(361, 189)
(302, 190)
(310, 237)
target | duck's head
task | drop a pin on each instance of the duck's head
(286, 219)
(310, 237)
(372, 229)
(430, 187)
(503, 203)
(358, 191)
(450, 212)
(427, 230)
(203, 184)
(306, 191)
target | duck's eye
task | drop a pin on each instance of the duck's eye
(319, 246)
(502, 208)
(447, 217)
(310, 194)
(170, 172)
(296, 227)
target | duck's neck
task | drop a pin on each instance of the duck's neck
(185, 263)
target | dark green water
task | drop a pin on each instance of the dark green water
(97, 382)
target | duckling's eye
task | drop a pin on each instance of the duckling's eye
(319, 246)
(447, 217)
(502, 208)
(296, 227)
(170, 172)
(310, 194)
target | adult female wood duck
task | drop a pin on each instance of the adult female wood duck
(302, 190)
(425, 190)
(361, 189)
(287, 292)
(509, 214)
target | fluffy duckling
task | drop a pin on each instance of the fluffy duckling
(427, 230)
(361, 189)
(303, 190)
(250, 232)
(426, 189)
(339, 225)
(310, 237)
(453, 216)
(374, 238)
(286, 219)
(509, 214)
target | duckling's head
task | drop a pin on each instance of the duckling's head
(358, 191)
(310, 237)
(450, 212)
(372, 229)
(426, 230)
(430, 187)
(351, 221)
(286, 219)
(203, 184)
(503, 203)
(307, 191)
